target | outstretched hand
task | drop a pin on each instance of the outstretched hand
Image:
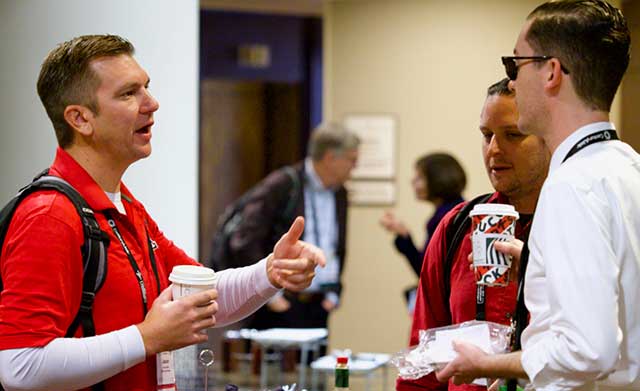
(472, 363)
(293, 262)
(391, 223)
(466, 367)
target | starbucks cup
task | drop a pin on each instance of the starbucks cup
(491, 223)
(189, 279)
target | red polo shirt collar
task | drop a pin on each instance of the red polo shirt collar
(66, 167)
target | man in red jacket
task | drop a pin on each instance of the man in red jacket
(98, 99)
(517, 166)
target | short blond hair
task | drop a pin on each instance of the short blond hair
(66, 77)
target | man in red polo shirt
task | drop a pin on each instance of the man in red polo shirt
(97, 98)
(516, 164)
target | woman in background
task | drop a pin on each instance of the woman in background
(438, 179)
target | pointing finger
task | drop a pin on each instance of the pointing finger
(295, 231)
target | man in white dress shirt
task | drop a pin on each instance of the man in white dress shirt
(582, 282)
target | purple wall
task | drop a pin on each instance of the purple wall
(295, 45)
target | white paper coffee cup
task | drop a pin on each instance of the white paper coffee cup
(491, 223)
(190, 279)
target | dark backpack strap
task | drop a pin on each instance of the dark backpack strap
(94, 251)
(283, 219)
(94, 247)
(6, 214)
(294, 194)
(94, 257)
(522, 313)
(454, 235)
(96, 241)
(221, 255)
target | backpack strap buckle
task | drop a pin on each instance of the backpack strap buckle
(86, 304)
(94, 232)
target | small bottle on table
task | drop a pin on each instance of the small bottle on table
(342, 374)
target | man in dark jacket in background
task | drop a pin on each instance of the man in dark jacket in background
(313, 189)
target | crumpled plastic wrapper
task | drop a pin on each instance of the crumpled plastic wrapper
(434, 349)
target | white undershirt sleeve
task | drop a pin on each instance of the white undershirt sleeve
(74, 363)
(242, 291)
(71, 363)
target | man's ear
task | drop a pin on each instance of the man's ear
(80, 119)
(555, 74)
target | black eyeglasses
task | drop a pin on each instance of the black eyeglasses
(511, 67)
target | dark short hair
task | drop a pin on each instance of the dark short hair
(591, 40)
(444, 174)
(331, 136)
(500, 88)
(66, 78)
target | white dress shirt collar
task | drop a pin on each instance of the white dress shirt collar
(312, 176)
(568, 143)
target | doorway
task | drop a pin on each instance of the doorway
(248, 129)
(254, 117)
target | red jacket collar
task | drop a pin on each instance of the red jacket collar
(66, 167)
(499, 198)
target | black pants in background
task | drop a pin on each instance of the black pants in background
(305, 312)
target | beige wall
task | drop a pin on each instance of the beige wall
(428, 63)
(31, 28)
(630, 94)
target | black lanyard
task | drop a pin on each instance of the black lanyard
(603, 135)
(519, 320)
(134, 265)
(480, 305)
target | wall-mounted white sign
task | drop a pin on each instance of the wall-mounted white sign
(377, 151)
(371, 192)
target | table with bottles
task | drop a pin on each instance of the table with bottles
(307, 340)
(362, 364)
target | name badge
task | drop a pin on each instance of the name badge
(165, 372)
